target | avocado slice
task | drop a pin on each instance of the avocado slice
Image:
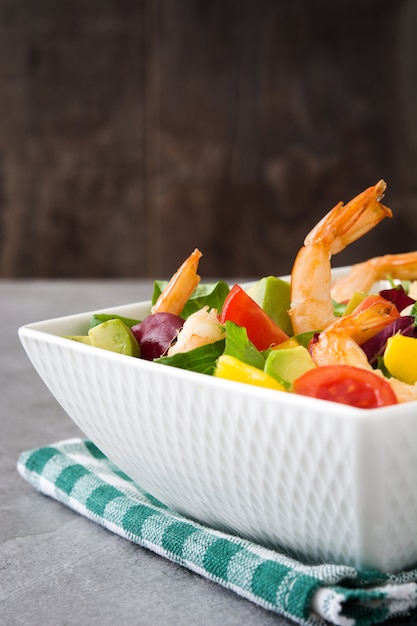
(80, 338)
(116, 336)
(288, 364)
(355, 301)
(273, 295)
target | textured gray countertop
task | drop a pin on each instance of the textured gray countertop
(57, 567)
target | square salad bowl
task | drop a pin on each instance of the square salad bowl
(322, 481)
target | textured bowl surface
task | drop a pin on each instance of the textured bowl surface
(324, 481)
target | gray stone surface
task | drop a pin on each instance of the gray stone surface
(56, 567)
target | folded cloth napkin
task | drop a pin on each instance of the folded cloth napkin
(77, 474)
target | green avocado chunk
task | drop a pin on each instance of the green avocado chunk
(289, 363)
(80, 338)
(116, 336)
(274, 297)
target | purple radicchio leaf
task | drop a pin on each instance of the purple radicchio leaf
(155, 334)
(375, 346)
(397, 296)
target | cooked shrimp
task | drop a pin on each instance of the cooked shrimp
(180, 287)
(311, 303)
(404, 391)
(201, 328)
(340, 342)
(363, 275)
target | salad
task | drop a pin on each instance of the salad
(345, 341)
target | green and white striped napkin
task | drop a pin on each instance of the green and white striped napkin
(77, 474)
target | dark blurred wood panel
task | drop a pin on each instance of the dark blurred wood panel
(297, 106)
(73, 159)
(131, 132)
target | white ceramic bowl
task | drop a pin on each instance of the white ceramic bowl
(325, 481)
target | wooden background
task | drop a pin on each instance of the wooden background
(132, 131)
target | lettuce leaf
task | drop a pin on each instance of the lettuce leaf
(202, 359)
(339, 308)
(99, 318)
(304, 339)
(206, 294)
(239, 346)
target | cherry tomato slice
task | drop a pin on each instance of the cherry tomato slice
(346, 384)
(241, 309)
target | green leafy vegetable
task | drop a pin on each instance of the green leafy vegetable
(209, 294)
(380, 365)
(339, 308)
(239, 346)
(99, 318)
(413, 312)
(202, 359)
(405, 284)
(305, 338)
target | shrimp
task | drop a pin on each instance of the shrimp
(201, 328)
(180, 287)
(311, 303)
(363, 275)
(404, 391)
(340, 342)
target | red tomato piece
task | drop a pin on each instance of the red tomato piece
(346, 384)
(241, 309)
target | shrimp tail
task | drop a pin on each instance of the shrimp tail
(180, 287)
(346, 223)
